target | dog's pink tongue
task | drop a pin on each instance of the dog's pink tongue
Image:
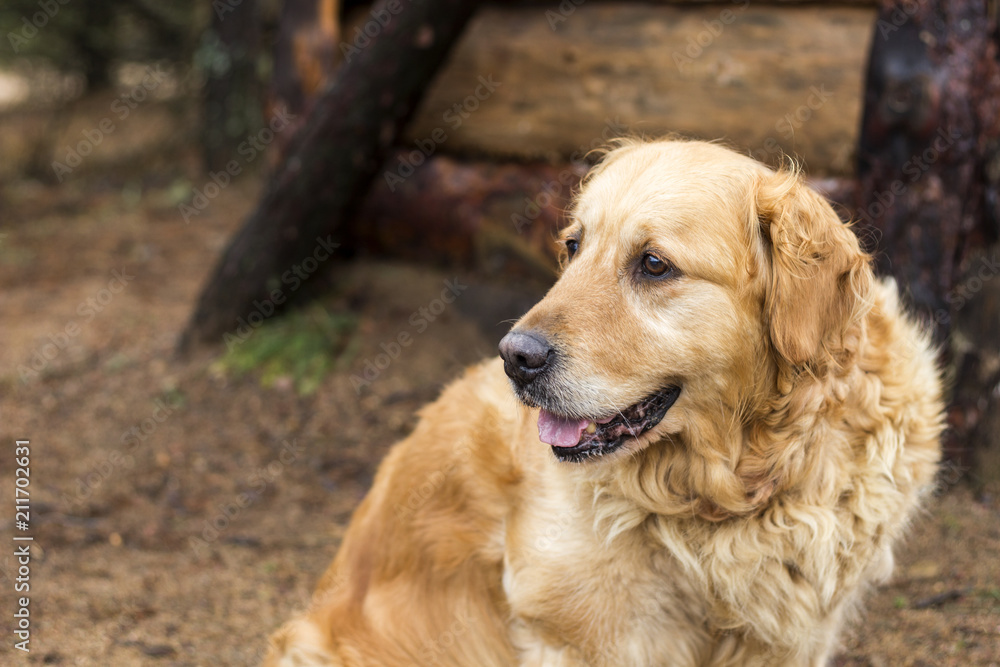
(559, 431)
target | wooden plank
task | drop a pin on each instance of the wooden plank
(769, 79)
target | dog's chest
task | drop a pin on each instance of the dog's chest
(579, 596)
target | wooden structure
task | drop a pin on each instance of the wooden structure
(330, 163)
(771, 79)
(530, 82)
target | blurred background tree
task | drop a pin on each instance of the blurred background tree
(91, 38)
(228, 57)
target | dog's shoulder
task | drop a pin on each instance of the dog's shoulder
(447, 485)
(425, 548)
(473, 426)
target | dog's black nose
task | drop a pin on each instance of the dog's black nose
(525, 355)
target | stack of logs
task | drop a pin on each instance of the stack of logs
(893, 106)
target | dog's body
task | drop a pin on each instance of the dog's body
(741, 420)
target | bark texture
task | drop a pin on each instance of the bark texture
(315, 192)
(928, 175)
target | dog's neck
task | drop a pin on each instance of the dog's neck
(688, 474)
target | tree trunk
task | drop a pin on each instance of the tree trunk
(304, 52)
(927, 168)
(500, 219)
(975, 412)
(331, 162)
(305, 59)
(95, 43)
(228, 55)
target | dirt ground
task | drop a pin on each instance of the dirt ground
(182, 510)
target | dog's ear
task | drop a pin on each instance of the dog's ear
(820, 279)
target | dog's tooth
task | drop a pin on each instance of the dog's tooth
(591, 427)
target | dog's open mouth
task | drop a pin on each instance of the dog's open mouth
(579, 439)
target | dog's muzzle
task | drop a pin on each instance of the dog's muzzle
(526, 355)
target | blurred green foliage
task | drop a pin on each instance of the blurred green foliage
(301, 346)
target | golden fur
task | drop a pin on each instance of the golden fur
(741, 530)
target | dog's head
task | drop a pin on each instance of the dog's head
(694, 278)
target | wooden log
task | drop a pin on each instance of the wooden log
(565, 7)
(768, 78)
(331, 163)
(500, 219)
(495, 218)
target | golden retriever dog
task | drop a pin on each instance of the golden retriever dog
(698, 449)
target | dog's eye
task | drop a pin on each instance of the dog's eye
(572, 245)
(654, 266)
